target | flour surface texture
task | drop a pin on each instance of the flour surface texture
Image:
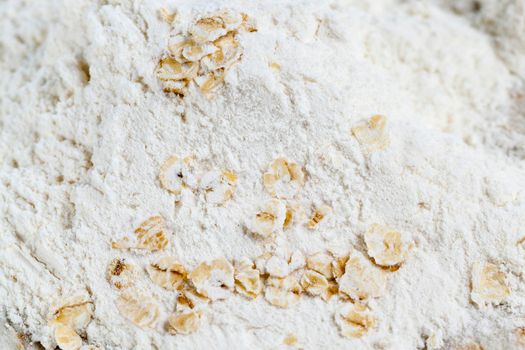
(340, 174)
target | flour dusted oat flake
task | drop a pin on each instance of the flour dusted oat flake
(211, 174)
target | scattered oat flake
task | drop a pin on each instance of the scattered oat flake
(314, 283)
(354, 320)
(76, 312)
(67, 338)
(167, 272)
(362, 280)
(149, 236)
(290, 340)
(270, 219)
(294, 213)
(189, 298)
(386, 246)
(177, 173)
(139, 308)
(213, 279)
(210, 82)
(227, 51)
(247, 278)
(488, 284)
(275, 66)
(176, 44)
(120, 274)
(185, 322)
(318, 216)
(283, 179)
(208, 29)
(73, 316)
(282, 292)
(171, 69)
(322, 263)
(218, 186)
(372, 133)
(193, 52)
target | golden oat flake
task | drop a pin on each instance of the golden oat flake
(218, 186)
(386, 246)
(489, 284)
(247, 278)
(319, 215)
(72, 317)
(214, 279)
(284, 179)
(120, 274)
(354, 320)
(270, 219)
(211, 81)
(75, 312)
(362, 280)
(189, 298)
(148, 236)
(185, 322)
(322, 263)
(227, 52)
(67, 338)
(170, 69)
(208, 29)
(178, 173)
(282, 292)
(290, 340)
(314, 283)
(195, 52)
(141, 309)
(372, 133)
(167, 272)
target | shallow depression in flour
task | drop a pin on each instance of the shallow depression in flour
(234, 174)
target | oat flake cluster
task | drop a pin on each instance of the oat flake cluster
(282, 275)
(204, 54)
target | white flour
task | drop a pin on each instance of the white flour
(85, 126)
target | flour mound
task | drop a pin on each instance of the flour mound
(86, 126)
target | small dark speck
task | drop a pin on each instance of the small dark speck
(423, 205)
(180, 175)
(476, 6)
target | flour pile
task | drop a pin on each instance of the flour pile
(342, 174)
